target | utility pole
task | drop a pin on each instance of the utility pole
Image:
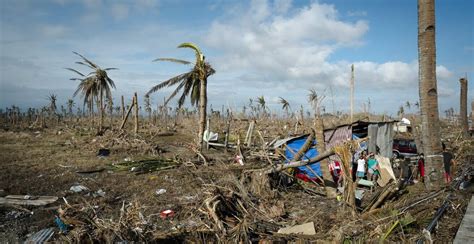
(352, 93)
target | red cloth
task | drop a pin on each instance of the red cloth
(421, 167)
(306, 178)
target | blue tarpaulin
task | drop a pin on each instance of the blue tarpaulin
(295, 146)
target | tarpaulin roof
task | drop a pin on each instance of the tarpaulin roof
(293, 146)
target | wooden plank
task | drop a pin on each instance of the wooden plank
(28, 200)
(465, 232)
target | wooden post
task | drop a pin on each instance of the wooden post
(227, 129)
(128, 113)
(208, 129)
(136, 112)
(123, 108)
(352, 93)
(248, 137)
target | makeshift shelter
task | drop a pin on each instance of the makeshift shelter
(380, 135)
(292, 146)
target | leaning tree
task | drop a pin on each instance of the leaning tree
(316, 100)
(193, 83)
(96, 84)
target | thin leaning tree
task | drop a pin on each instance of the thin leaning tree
(316, 100)
(193, 83)
(431, 139)
(94, 85)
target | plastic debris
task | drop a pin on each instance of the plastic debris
(41, 236)
(103, 152)
(100, 193)
(167, 214)
(160, 191)
(78, 188)
(61, 225)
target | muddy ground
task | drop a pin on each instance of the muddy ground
(47, 161)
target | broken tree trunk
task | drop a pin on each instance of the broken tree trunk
(123, 108)
(136, 112)
(463, 106)
(281, 167)
(128, 113)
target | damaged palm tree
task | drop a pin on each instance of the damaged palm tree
(429, 94)
(193, 82)
(94, 85)
(316, 100)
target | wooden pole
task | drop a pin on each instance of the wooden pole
(136, 112)
(227, 129)
(128, 113)
(123, 108)
(352, 93)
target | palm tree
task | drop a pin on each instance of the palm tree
(285, 105)
(52, 103)
(193, 82)
(148, 106)
(316, 100)
(401, 111)
(96, 84)
(70, 104)
(262, 103)
(431, 139)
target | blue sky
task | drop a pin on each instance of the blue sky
(271, 48)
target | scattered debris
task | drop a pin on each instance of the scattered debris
(28, 200)
(167, 214)
(103, 152)
(78, 188)
(41, 236)
(303, 229)
(90, 171)
(160, 191)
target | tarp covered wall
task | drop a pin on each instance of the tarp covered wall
(381, 135)
(293, 146)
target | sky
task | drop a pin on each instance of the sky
(274, 48)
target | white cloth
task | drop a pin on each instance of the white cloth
(360, 165)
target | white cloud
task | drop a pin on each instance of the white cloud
(282, 6)
(281, 52)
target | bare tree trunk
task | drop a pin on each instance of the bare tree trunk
(127, 114)
(136, 112)
(429, 94)
(101, 110)
(463, 106)
(202, 111)
(123, 108)
(329, 184)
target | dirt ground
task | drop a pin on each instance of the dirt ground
(46, 162)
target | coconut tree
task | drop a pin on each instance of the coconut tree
(147, 106)
(70, 104)
(285, 105)
(262, 104)
(52, 98)
(316, 100)
(429, 93)
(193, 83)
(96, 84)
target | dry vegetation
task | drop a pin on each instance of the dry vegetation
(221, 202)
